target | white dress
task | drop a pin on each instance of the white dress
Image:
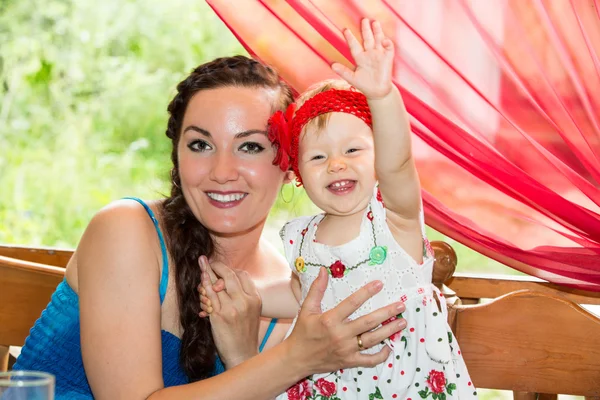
(425, 361)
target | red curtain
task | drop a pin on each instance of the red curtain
(504, 98)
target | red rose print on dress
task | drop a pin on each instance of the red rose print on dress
(436, 381)
(300, 391)
(326, 388)
(438, 384)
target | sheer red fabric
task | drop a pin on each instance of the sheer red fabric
(504, 99)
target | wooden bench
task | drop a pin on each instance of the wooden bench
(516, 333)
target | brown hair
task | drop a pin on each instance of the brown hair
(186, 237)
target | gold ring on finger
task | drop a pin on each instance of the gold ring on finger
(360, 343)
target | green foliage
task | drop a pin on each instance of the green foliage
(84, 87)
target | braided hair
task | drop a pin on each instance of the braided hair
(186, 237)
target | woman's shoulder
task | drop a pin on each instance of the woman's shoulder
(127, 214)
(121, 225)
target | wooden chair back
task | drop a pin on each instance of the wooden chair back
(531, 337)
(528, 341)
(40, 255)
(25, 290)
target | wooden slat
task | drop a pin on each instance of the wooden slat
(25, 290)
(478, 286)
(4, 356)
(529, 341)
(42, 255)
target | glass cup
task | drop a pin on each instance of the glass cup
(26, 385)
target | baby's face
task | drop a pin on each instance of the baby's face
(337, 164)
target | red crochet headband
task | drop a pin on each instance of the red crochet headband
(285, 128)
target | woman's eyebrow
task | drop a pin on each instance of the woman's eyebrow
(250, 132)
(199, 130)
(240, 135)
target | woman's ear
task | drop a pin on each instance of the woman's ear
(289, 177)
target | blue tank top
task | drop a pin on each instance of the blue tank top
(53, 344)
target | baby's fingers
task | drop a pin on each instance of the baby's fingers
(354, 45)
(219, 285)
(205, 301)
(205, 306)
(344, 72)
(378, 34)
(369, 40)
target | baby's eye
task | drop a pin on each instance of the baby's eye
(251, 147)
(199, 146)
(353, 150)
(319, 157)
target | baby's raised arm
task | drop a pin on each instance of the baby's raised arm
(394, 163)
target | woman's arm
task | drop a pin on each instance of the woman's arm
(320, 342)
(118, 280)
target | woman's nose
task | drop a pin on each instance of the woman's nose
(224, 169)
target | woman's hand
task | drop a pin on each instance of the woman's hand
(234, 312)
(325, 342)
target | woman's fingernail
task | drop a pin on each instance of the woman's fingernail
(378, 285)
(400, 306)
(402, 324)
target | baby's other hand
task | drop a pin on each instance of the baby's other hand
(218, 285)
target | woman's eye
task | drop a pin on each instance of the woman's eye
(199, 146)
(251, 148)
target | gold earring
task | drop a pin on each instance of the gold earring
(283, 198)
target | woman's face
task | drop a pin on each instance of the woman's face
(226, 160)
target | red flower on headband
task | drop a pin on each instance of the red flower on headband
(279, 132)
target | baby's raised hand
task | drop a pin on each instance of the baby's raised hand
(374, 59)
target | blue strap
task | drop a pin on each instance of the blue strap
(164, 279)
(267, 334)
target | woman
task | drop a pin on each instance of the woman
(130, 295)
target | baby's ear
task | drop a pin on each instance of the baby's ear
(289, 177)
